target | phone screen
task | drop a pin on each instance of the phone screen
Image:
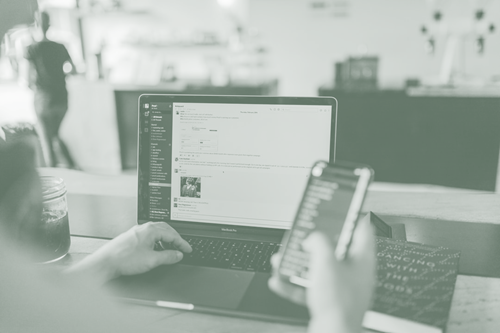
(331, 204)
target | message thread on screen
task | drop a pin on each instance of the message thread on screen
(235, 164)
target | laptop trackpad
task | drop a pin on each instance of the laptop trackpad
(197, 285)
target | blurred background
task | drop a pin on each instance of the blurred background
(418, 82)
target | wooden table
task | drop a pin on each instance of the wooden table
(476, 302)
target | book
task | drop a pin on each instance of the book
(383, 229)
(415, 285)
(478, 242)
(398, 231)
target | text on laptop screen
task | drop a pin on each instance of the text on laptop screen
(236, 164)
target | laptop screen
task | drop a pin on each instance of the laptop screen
(240, 162)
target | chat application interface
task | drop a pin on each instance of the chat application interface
(332, 198)
(243, 164)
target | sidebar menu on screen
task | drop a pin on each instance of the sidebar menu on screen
(159, 125)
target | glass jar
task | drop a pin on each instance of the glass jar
(54, 240)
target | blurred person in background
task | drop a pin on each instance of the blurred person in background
(49, 63)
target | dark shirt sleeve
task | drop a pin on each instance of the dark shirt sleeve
(64, 53)
(28, 52)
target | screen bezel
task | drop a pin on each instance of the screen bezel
(191, 227)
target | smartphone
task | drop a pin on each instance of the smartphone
(331, 203)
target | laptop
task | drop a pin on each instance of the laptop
(228, 173)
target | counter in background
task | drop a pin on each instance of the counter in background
(443, 139)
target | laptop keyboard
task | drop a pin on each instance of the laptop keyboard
(232, 254)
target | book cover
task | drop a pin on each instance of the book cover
(415, 285)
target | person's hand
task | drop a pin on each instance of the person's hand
(132, 253)
(340, 291)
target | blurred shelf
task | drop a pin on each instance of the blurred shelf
(484, 92)
(330, 90)
(244, 87)
(423, 91)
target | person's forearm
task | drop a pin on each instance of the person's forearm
(94, 271)
(333, 324)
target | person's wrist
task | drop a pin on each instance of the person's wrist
(96, 269)
(108, 260)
